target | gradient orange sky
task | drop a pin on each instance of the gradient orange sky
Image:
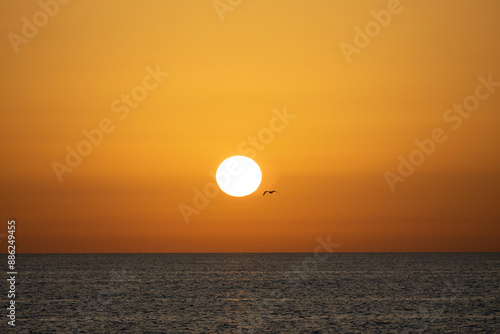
(353, 120)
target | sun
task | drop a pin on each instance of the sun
(238, 176)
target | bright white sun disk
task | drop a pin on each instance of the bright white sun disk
(238, 176)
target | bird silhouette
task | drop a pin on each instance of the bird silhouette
(270, 191)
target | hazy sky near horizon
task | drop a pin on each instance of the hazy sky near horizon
(226, 81)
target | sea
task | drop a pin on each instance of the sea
(256, 293)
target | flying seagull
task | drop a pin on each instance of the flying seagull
(270, 191)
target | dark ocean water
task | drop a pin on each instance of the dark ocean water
(257, 293)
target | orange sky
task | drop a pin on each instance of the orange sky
(225, 77)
